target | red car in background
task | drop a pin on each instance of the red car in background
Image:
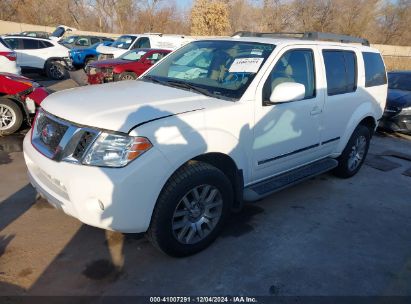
(19, 99)
(127, 67)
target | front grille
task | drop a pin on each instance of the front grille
(51, 132)
(59, 139)
(83, 144)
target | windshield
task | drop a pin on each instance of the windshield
(399, 81)
(123, 42)
(69, 40)
(133, 55)
(224, 69)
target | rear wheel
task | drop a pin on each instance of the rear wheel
(353, 156)
(55, 70)
(191, 209)
(11, 116)
(127, 76)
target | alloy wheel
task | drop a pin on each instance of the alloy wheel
(357, 153)
(197, 214)
(7, 117)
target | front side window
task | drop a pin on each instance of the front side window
(82, 42)
(294, 66)
(154, 57)
(374, 69)
(222, 69)
(341, 71)
(141, 43)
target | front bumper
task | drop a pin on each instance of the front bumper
(397, 123)
(99, 78)
(119, 199)
(34, 99)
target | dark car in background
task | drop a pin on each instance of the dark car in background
(83, 41)
(127, 67)
(397, 114)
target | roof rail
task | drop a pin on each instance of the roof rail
(306, 36)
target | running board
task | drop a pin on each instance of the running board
(279, 182)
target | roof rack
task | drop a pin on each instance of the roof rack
(306, 36)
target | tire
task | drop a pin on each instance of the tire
(11, 116)
(127, 76)
(55, 70)
(171, 212)
(88, 61)
(354, 154)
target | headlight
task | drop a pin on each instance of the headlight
(406, 111)
(115, 150)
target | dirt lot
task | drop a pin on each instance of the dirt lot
(326, 236)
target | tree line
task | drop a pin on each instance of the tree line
(380, 21)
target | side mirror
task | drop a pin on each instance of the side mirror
(286, 92)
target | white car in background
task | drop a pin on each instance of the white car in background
(39, 54)
(129, 42)
(8, 59)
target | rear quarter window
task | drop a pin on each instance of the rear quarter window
(375, 74)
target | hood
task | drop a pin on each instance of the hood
(120, 106)
(103, 49)
(108, 63)
(16, 77)
(398, 98)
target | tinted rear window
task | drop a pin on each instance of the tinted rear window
(374, 69)
(341, 71)
(29, 44)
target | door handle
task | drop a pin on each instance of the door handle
(316, 110)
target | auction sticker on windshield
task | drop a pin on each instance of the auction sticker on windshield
(246, 65)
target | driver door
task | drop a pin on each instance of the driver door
(287, 135)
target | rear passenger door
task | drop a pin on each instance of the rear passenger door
(287, 135)
(340, 67)
(34, 52)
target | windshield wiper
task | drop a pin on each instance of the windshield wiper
(152, 79)
(189, 86)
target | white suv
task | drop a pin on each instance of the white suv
(40, 54)
(8, 59)
(215, 123)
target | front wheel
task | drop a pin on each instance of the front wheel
(127, 76)
(191, 210)
(353, 156)
(11, 116)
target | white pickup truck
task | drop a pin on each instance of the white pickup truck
(215, 124)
